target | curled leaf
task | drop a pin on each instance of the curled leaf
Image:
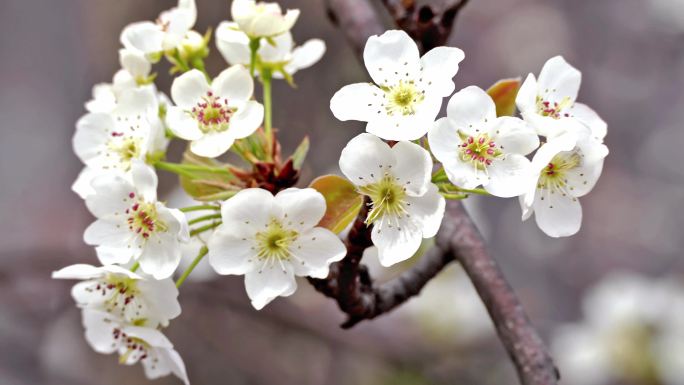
(504, 92)
(342, 200)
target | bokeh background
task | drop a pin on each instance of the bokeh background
(631, 53)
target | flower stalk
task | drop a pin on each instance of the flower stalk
(203, 251)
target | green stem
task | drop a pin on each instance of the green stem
(203, 251)
(266, 81)
(454, 196)
(253, 49)
(200, 207)
(204, 218)
(185, 169)
(204, 228)
(478, 191)
(174, 168)
(135, 267)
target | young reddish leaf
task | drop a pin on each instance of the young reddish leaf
(504, 92)
(342, 199)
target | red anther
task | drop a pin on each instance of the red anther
(492, 144)
(481, 159)
(135, 207)
(545, 103)
(143, 356)
(482, 140)
(468, 151)
(550, 166)
(488, 161)
(131, 195)
(146, 235)
(209, 93)
(110, 286)
(490, 151)
(470, 139)
(138, 230)
(566, 115)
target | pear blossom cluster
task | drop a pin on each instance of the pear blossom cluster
(250, 220)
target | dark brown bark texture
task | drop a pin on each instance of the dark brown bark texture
(349, 282)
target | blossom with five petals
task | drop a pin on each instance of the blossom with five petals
(165, 34)
(262, 19)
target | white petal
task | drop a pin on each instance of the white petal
(234, 84)
(315, 250)
(111, 195)
(144, 36)
(107, 232)
(98, 331)
(247, 119)
(144, 180)
(92, 132)
(78, 271)
(81, 185)
(413, 167)
(302, 208)
(471, 107)
(509, 177)
(409, 127)
(189, 88)
(360, 101)
(546, 152)
(364, 158)
(583, 113)
(137, 101)
(428, 210)
(396, 242)
(581, 180)
(182, 124)
(231, 253)
(440, 65)
(232, 43)
(134, 62)
(248, 211)
(119, 253)
(526, 100)
(280, 51)
(212, 144)
(591, 149)
(557, 215)
(306, 55)
(153, 337)
(162, 296)
(167, 361)
(559, 80)
(444, 140)
(264, 285)
(514, 135)
(161, 256)
(391, 57)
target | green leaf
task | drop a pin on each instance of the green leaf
(342, 200)
(504, 92)
(206, 179)
(299, 154)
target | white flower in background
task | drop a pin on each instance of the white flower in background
(631, 334)
(405, 206)
(212, 117)
(407, 94)
(262, 19)
(127, 295)
(132, 224)
(566, 168)
(165, 34)
(477, 148)
(109, 142)
(109, 334)
(273, 239)
(280, 54)
(548, 103)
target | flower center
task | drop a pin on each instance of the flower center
(275, 241)
(555, 109)
(627, 351)
(212, 113)
(125, 148)
(134, 349)
(387, 198)
(143, 218)
(120, 294)
(403, 98)
(478, 150)
(553, 175)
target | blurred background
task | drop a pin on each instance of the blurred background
(631, 54)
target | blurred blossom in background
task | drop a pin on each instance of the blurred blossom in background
(608, 299)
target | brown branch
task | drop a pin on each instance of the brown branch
(349, 282)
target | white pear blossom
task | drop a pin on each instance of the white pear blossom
(477, 148)
(549, 103)
(132, 224)
(631, 333)
(109, 141)
(405, 206)
(566, 168)
(262, 19)
(271, 239)
(213, 116)
(130, 296)
(407, 94)
(109, 334)
(165, 34)
(279, 54)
